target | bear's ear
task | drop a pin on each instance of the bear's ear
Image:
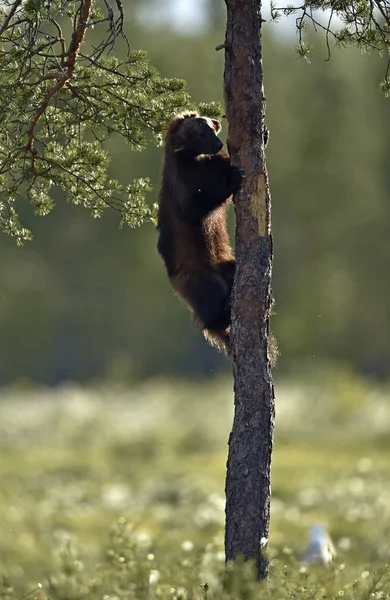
(217, 125)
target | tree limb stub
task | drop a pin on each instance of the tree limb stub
(251, 439)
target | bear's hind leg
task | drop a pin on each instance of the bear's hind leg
(208, 295)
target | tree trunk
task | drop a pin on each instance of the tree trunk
(251, 439)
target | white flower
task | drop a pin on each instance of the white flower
(154, 576)
(187, 546)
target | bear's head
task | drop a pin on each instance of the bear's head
(192, 134)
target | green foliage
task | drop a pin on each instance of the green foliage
(213, 110)
(385, 87)
(304, 50)
(57, 110)
(365, 24)
(117, 492)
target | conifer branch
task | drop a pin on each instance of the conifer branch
(60, 39)
(11, 13)
(74, 47)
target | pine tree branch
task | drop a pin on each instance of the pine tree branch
(115, 203)
(385, 13)
(49, 113)
(74, 47)
(77, 37)
(60, 39)
(11, 13)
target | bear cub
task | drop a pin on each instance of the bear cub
(196, 185)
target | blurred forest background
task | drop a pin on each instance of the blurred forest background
(87, 301)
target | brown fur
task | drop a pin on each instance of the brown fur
(197, 181)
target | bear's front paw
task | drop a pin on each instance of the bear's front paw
(235, 178)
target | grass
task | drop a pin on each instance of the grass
(114, 494)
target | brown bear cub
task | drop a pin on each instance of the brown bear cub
(197, 182)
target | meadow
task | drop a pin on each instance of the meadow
(117, 492)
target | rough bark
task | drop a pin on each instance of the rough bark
(251, 439)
